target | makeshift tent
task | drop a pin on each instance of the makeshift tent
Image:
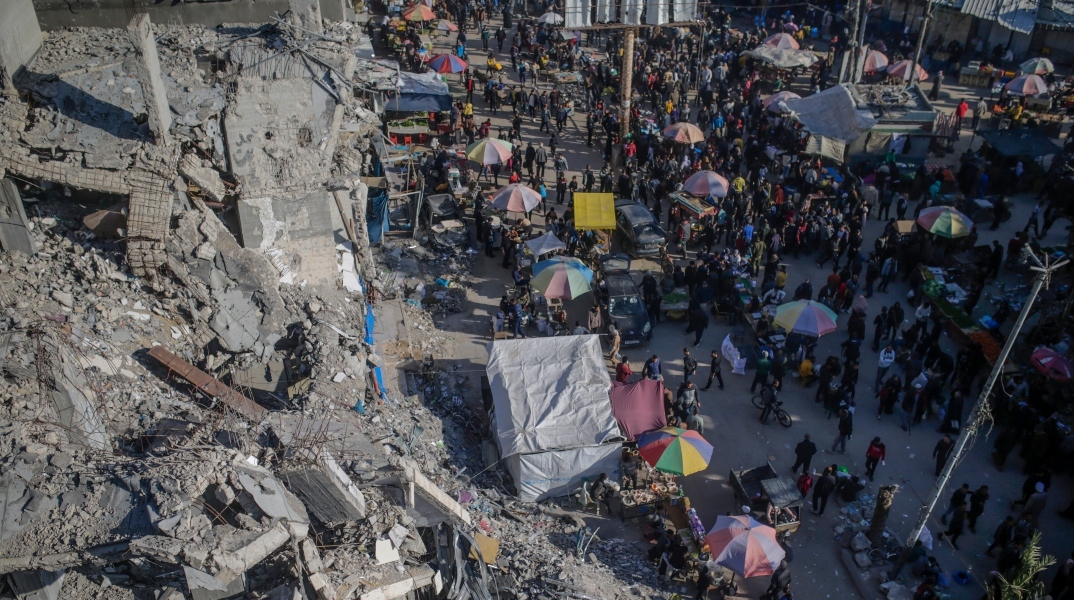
(826, 147)
(639, 407)
(783, 58)
(1024, 141)
(594, 211)
(552, 416)
(832, 113)
(419, 92)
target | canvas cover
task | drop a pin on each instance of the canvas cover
(419, 92)
(550, 394)
(631, 10)
(827, 147)
(656, 12)
(683, 10)
(639, 407)
(783, 58)
(605, 11)
(832, 113)
(559, 473)
(577, 13)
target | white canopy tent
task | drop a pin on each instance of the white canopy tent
(832, 113)
(552, 415)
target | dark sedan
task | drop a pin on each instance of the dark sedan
(621, 302)
(638, 230)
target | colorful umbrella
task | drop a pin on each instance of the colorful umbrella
(687, 133)
(744, 546)
(515, 197)
(875, 61)
(901, 70)
(545, 244)
(675, 450)
(1052, 364)
(419, 13)
(445, 25)
(782, 40)
(707, 183)
(806, 317)
(447, 63)
(551, 18)
(945, 221)
(1027, 85)
(772, 102)
(1037, 66)
(563, 277)
(489, 151)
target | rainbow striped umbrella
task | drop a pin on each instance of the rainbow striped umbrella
(806, 317)
(563, 277)
(675, 450)
(945, 221)
(419, 13)
(447, 63)
(745, 546)
(489, 151)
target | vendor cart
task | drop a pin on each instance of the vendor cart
(772, 499)
(693, 206)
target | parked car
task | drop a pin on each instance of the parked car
(638, 230)
(621, 302)
(440, 213)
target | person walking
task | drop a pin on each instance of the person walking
(781, 580)
(978, 501)
(887, 358)
(616, 340)
(959, 496)
(942, 452)
(846, 429)
(1035, 504)
(1003, 535)
(824, 488)
(689, 365)
(880, 323)
(875, 453)
(954, 529)
(803, 454)
(652, 369)
(699, 322)
(714, 371)
(623, 371)
(764, 366)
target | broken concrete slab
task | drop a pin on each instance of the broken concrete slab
(417, 578)
(327, 492)
(14, 230)
(22, 38)
(431, 493)
(75, 401)
(206, 178)
(235, 320)
(140, 31)
(240, 552)
(38, 584)
(204, 586)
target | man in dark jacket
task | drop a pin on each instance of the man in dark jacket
(942, 452)
(714, 372)
(803, 454)
(824, 488)
(689, 365)
(846, 429)
(954, 529)
(699, 322)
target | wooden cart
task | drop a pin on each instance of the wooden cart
(760, 487)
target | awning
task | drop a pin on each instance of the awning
(1025, 141)
(827, 147)
(424, 92)
(594, 211)
(639, 407)
(832, 113)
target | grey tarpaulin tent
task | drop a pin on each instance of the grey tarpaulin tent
(827, 147)
(552, 415)
(832, 113)
(783, 58)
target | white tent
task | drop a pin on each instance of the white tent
(783, 58)
(552, 415)
(832, 113)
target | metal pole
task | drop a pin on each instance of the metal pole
(1044, 273)
(920, 41)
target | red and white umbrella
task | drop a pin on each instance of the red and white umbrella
(875, 61)
(901, 70)
(515, 197)
(445, 25)
(1027, 85)
(782, 40)
(707, 183)
(744, 546)
(772, 102)
(686, 133)
(1052, 364)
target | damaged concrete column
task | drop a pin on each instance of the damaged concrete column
(20, 39)
(14, 233)
(307, 15)
(140, 31)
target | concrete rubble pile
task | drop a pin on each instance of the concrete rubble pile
(190, 404)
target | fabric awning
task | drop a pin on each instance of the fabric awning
(639, 407)
(594, 211)
(827, 147)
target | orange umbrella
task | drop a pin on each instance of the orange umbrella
(419, 13)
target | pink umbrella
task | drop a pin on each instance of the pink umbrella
(875, 61)
(515, 197)
(782, 40)
(706, 183)
(1052, 364)
(772, 102)
(744, 546)
(1027, 85)
(790, 26)
(901, 70)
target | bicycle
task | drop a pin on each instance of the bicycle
(781, 415)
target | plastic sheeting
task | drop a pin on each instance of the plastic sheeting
(550, 394)
(424, 92)
(832, 113)
(639, 407)
(577, 13)
(632, 11)
(683, 10)
(656, 12)
(377, 217)
(551, 474)
(605, 11)
(827, 147)
(783, 58)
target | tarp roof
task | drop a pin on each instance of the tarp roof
(827, 147)
(550, 394)
(1017, 15)
(420, 92)
(1024, 141)
(639, 407)
(832, 113)
(783, 58)
(594, 211)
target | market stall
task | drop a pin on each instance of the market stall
(594, 214)
(772, 498)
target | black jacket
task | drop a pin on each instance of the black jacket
(805, 449)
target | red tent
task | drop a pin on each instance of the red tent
(638, 407)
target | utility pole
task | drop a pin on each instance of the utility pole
(980, 412)
(626, 87)
(920, 40)
(852, 18)
(859, 51)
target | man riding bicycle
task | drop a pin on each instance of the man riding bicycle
(768, 398)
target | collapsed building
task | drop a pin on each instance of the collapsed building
(192, 403)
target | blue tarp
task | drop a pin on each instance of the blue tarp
(424, 92)
(377, 215)
(370, 322)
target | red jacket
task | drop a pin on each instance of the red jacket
(623, 372)
(805, 483)
(875, 451)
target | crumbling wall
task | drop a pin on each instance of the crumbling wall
(20, 39)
